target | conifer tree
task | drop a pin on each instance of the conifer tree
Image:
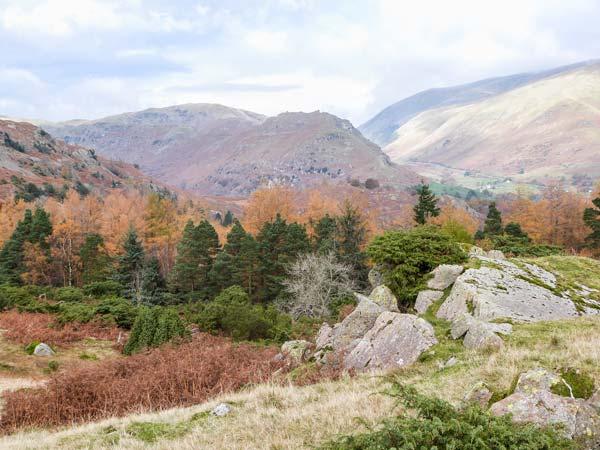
(130, 266)
(33, 228)
(95, 261)
(325, 235)
(279, 244)
(195, 255)
(351, 238)
(153, 283)
(514, 229)
(426, 206)
(493, 222)
(227, 219)
(591, 217)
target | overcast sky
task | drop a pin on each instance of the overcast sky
(64, 59)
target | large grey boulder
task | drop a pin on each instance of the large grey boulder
(444, 276)
(323, 336)
(504, 292)
(495, 254)
(396, 340)
(384, 297)
(344, 336)
(425, 299)
(43, 350)
(533, 402)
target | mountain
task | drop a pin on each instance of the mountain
(218, 150)
(33, 164)
(547, 128)
(381, 128)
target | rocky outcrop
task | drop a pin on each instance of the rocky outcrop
(478, 334)
(344, 336)
(383, 296)
(396, 340)
(504, 291)
(444, 276)
(375, 277)
(425, 299)
(533, 402)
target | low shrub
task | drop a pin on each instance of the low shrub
(75, 312)
(117, 310)
(406, 257)
(162, 378)
(11, 296)
(232, 314)
(30, 348)
(68, 294)
(522, 246)
(437, 424)
(101, 289)
(154, 327)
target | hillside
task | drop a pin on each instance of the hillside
(217, 150)
(282, 415)
(33, 163)
(382, 127)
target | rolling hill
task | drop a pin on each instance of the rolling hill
(530, 127)
(218, 150)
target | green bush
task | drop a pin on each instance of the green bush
(457, 231)
(52, 366)
(75, 312)
(68, 294)
(119, 310)
(232, 313)
(153, 327)
(101, 289)
(522, 246)
(406, 257)
(436, 424)
(11, 296)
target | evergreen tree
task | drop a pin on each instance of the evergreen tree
(41, 229)
(33, 228)
(226, 270)
(591, 217)
(493, 222)
(426, 206)
(279, 244)
(130, 266)
(196, 252)
(11, 256)
(95, 262)
(153, 283)
(325, 235)
(514, 229)
(351, 238)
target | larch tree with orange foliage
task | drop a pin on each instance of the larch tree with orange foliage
(265, 204)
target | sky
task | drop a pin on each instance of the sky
(67, 59)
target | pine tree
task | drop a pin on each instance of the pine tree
(351, 238)
(493, 222)
(130, 266)
(324, 235)
(95, 261)
(426, 206)
(153, 283)
(279, 244)
(196, 252)
(591, 217)
(514, 229)
(11, 256)
(226, 268)
(41, 229)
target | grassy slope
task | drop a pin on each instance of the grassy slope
(282, 417)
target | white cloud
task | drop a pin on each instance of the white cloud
(267, 41)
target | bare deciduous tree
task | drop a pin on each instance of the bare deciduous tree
(314, 281)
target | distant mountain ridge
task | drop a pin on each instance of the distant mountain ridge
(381, 128)
(217, 150)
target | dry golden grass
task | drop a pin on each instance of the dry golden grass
(288, 417)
